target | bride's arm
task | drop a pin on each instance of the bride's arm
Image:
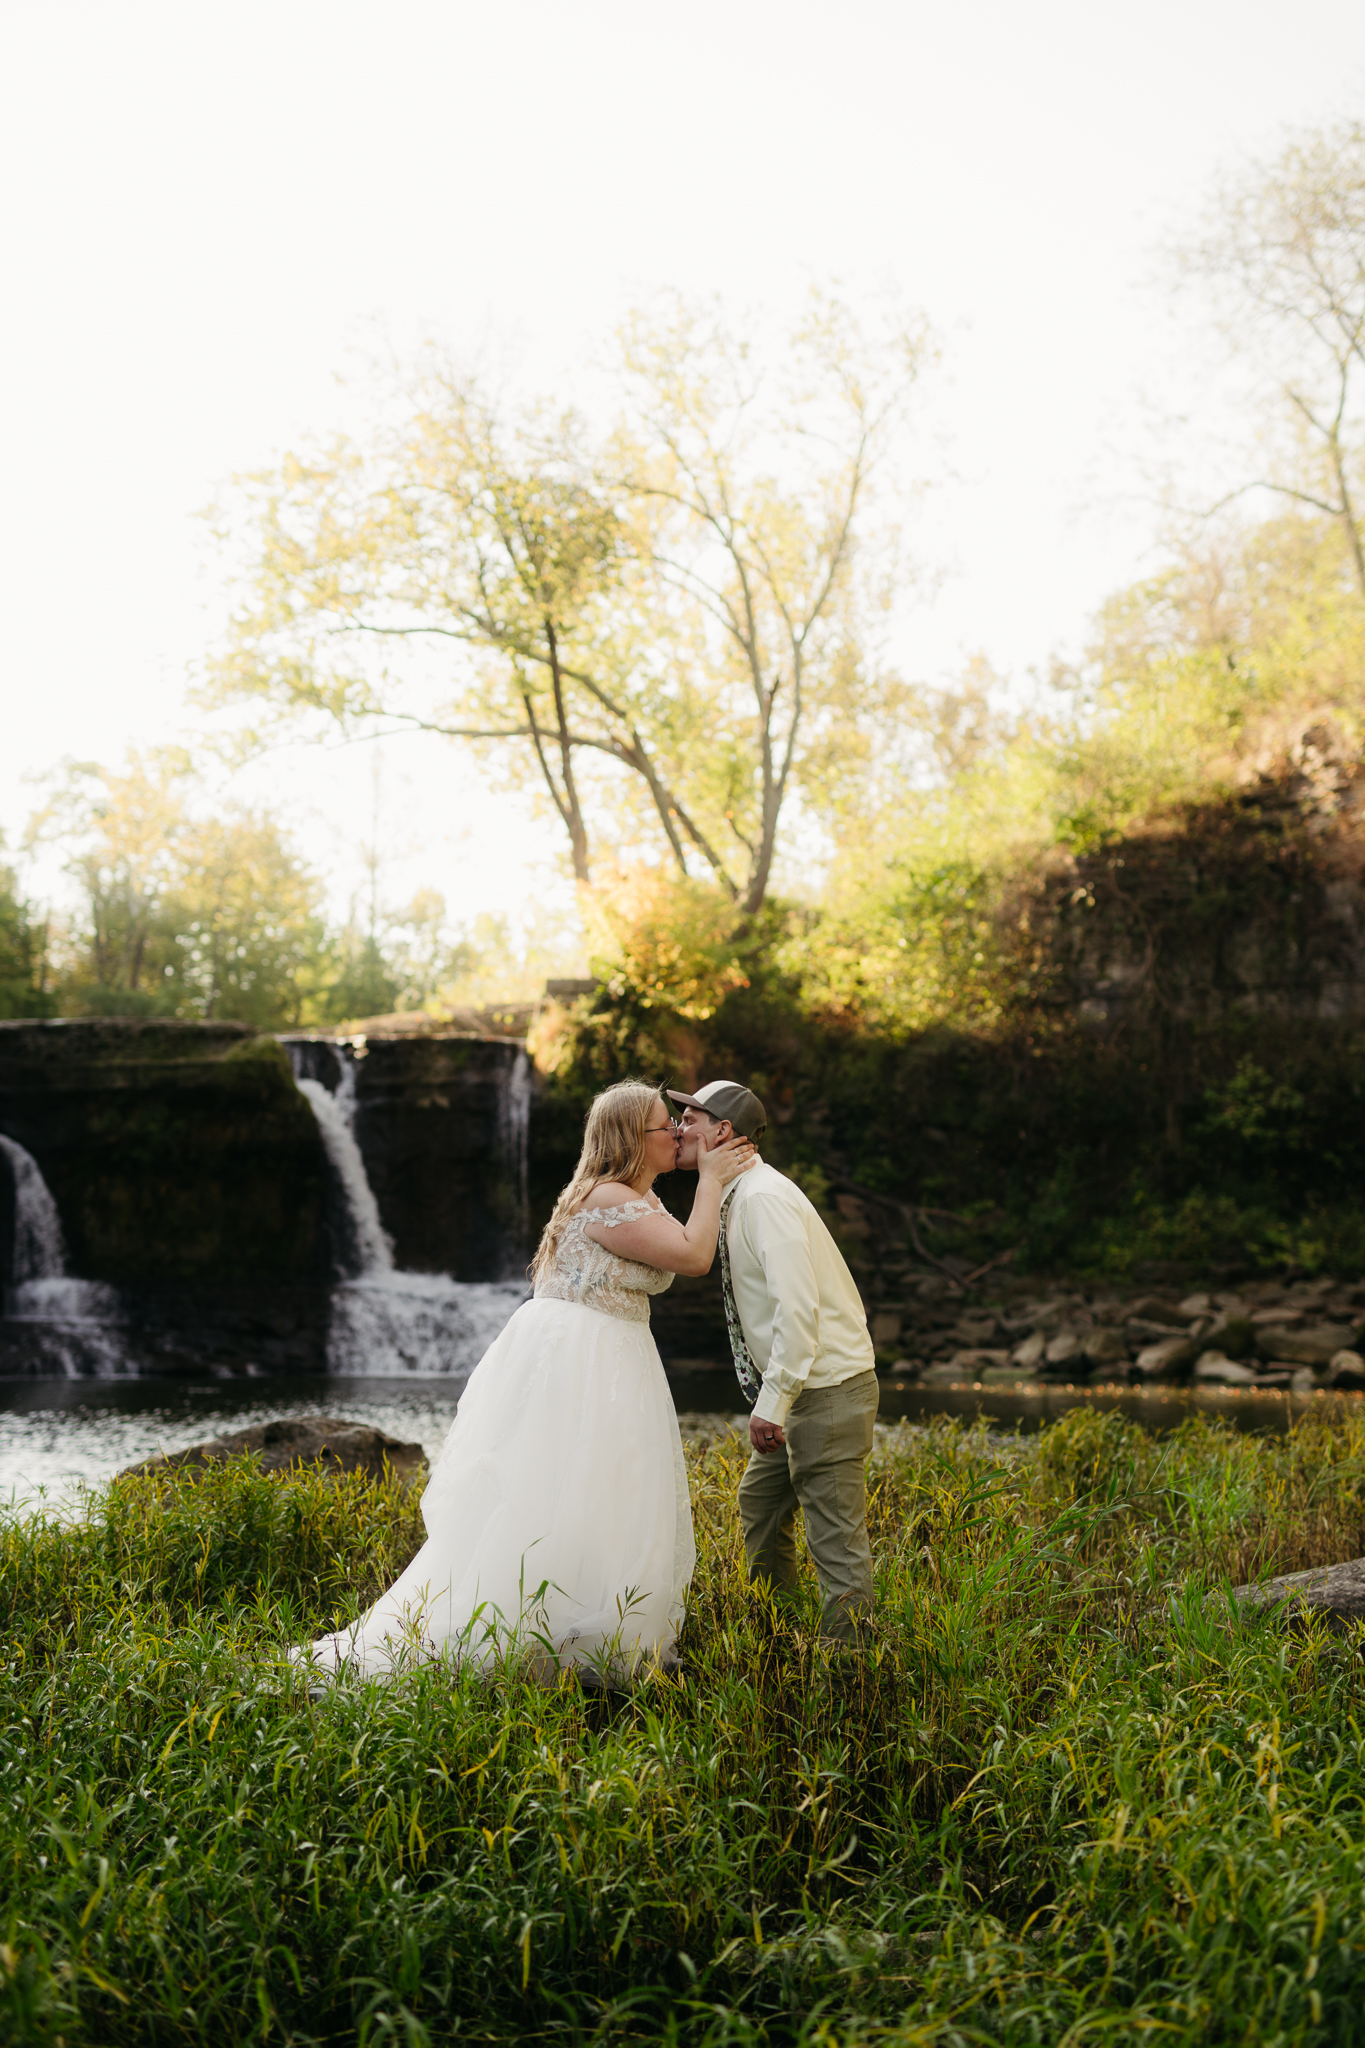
(659, 1239)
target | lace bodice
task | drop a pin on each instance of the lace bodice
(583, 1270)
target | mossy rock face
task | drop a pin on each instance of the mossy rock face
(437, 1123)
(176, 1152)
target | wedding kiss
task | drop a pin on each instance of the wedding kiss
(557, 1513)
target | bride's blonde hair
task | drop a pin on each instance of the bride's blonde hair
(613, 1149)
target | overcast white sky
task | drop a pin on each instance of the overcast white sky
(207, 211)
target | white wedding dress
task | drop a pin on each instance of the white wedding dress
(557, 1514)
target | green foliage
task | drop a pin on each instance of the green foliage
(410, 959)
(22, 944)
(1205, 1230)
(925, 947)
(665, 632)
(1081, 993)
(364, 983)
(1068, 1793)
(1231, 677)
(1254, 1111)
(185, 908)
(1229, 1143)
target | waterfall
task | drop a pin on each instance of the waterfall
(382, 1320)
(43, 1291)
(422, 1323)
(371, 1247)
(515, 1120)
(39, 1247)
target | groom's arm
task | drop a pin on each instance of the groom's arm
(776, 1236)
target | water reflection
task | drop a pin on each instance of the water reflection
(1030, 1407)
(56, 1435)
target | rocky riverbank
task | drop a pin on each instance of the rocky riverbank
(1291, 1336)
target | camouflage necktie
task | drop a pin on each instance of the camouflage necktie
(748, 1374)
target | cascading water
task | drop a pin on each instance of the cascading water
(515, 1121)
(80, 1317)
(371, 1248)
(384, 1321)
(39, 1246)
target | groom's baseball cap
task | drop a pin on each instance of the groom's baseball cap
(739, 1105)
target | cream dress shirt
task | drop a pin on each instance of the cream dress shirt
(803, 1318)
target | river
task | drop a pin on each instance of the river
(59, 1435)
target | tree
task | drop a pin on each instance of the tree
(397, 960)
(247, 923)
(1285, 257)
(456, 531)
(756, 508)
(120, 834)
(605, 606)
(182, 909)
(23, 938)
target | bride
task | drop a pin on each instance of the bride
(557, 1513)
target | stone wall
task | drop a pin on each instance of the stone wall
(178, 1153)
(190, 1175)
(1247, 906)
(436, 1123)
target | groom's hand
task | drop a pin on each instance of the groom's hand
(765, 1436)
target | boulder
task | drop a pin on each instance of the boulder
(1212, 1368)
(1047, 1316)
(1169, 1360)
(1150, 1308)
(1064, 1358)
(1335, 1591)
(968, 1365)
(1138, 1331)
(976, 1333)
(1105, 1347)
(1030, 1353)
(886, 1328)
(340, 1446)
(1234, 1336)
(1315, 1345)
(1346, 1373)
(1107, 1311)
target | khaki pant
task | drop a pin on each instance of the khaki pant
(829, 1437)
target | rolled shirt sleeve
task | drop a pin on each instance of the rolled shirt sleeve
(782, 1248)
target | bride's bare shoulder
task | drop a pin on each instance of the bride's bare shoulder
(609, 1194)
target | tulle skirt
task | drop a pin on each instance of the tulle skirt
(557, 1514)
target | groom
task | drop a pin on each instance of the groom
(799, 1336)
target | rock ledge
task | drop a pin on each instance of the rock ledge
(340, 1446)
(1337, 1591)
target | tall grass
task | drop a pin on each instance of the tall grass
(1069, 1795)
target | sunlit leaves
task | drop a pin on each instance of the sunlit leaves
(188, 906)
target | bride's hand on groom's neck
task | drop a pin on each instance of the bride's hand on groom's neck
(725, 1162)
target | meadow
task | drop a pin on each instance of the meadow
(1070, 1795)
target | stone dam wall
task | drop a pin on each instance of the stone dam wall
(190, 1176)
